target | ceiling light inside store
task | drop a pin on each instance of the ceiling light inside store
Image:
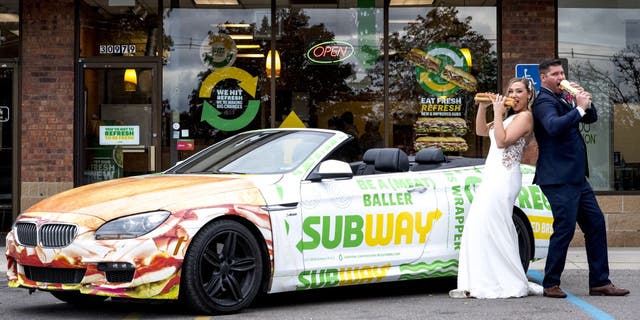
(241, 36)
(130, 80)
(232, 25)
(216, 2)
(400, 3)
(248, 46)
(250, 55)
(403, 21)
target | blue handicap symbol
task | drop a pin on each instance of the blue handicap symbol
(529, 71)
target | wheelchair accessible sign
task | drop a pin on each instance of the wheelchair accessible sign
(529, 71)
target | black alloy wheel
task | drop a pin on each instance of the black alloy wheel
(525, 239)
(222, 270)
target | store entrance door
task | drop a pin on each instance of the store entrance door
(8, 178)
(121, 121)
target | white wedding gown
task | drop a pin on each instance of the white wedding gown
(489, 263)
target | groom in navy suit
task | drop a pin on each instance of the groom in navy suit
(561, 173)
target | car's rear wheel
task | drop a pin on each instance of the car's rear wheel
(222, 269)
(525, 240)
(76, 298)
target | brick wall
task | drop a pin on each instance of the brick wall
(47, 99)
(528, 33)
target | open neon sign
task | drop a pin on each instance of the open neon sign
(330, 52)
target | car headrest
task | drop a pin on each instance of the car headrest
(392, 160)
(430, 155)
(369, 156)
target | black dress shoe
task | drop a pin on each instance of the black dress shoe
(554, 292)
(608, 290)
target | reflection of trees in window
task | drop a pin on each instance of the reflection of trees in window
(322, 83)
(438, 25)
(621, 87)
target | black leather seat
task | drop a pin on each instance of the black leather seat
(429, 158)
(368, 162)
(391, 160)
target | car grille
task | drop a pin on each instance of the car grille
(54, 275)
(120, 276)
(51, 235)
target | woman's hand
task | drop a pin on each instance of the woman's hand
(498, 106)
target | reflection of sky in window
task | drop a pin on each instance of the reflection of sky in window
(483, 19)
(594, 34)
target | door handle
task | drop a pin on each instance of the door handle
(417, 189)
(152, 158)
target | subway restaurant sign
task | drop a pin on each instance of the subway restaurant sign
(119, 135)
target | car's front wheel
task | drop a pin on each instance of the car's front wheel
(525, 240)
(222, 270)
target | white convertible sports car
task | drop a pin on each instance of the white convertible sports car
(263, 211)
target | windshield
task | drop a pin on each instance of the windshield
(261, 152)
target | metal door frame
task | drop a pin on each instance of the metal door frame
(80, 116)
(15, 119)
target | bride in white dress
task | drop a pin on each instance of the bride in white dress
(489, 263)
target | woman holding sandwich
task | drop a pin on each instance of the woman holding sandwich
(489, 264)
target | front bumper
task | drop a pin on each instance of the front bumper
(133, 268)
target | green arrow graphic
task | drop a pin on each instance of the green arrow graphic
(212, 116)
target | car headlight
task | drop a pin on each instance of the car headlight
(130, 227)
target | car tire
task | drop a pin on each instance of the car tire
(78, 299)
(222, 269)
(525, 240)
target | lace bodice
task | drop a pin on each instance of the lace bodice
(511, 155)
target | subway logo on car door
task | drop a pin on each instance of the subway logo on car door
(381, 229)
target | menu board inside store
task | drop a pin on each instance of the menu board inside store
(441, 124)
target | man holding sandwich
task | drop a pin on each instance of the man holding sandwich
(562, 173)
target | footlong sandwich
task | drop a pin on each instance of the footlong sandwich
(427, 125)
(449, 72)
(568, 88)
(488, 97)
(424, 60)
(450, 144)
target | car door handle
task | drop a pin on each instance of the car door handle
(417, 189)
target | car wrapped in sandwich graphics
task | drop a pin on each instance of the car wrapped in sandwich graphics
(269, 211)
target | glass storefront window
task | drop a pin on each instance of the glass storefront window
(9, 29)
(113, 28)
(332, 70)
(604, 58)
(439, 58)
(214, 77)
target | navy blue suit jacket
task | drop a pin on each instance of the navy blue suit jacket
(562, 153)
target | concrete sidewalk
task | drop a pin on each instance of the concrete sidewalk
(619, 259)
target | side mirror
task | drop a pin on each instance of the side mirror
(332, 169)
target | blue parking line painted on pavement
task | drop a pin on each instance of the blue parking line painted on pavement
(592, 311)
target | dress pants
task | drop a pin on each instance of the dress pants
(571, 203)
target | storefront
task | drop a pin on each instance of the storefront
(155, 81)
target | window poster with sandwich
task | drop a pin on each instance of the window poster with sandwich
(441, 71)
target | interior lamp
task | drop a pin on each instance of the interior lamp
(268, 64)
(130, 80)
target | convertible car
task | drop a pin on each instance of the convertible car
(269, 210)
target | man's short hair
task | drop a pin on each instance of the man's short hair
(544, 66)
